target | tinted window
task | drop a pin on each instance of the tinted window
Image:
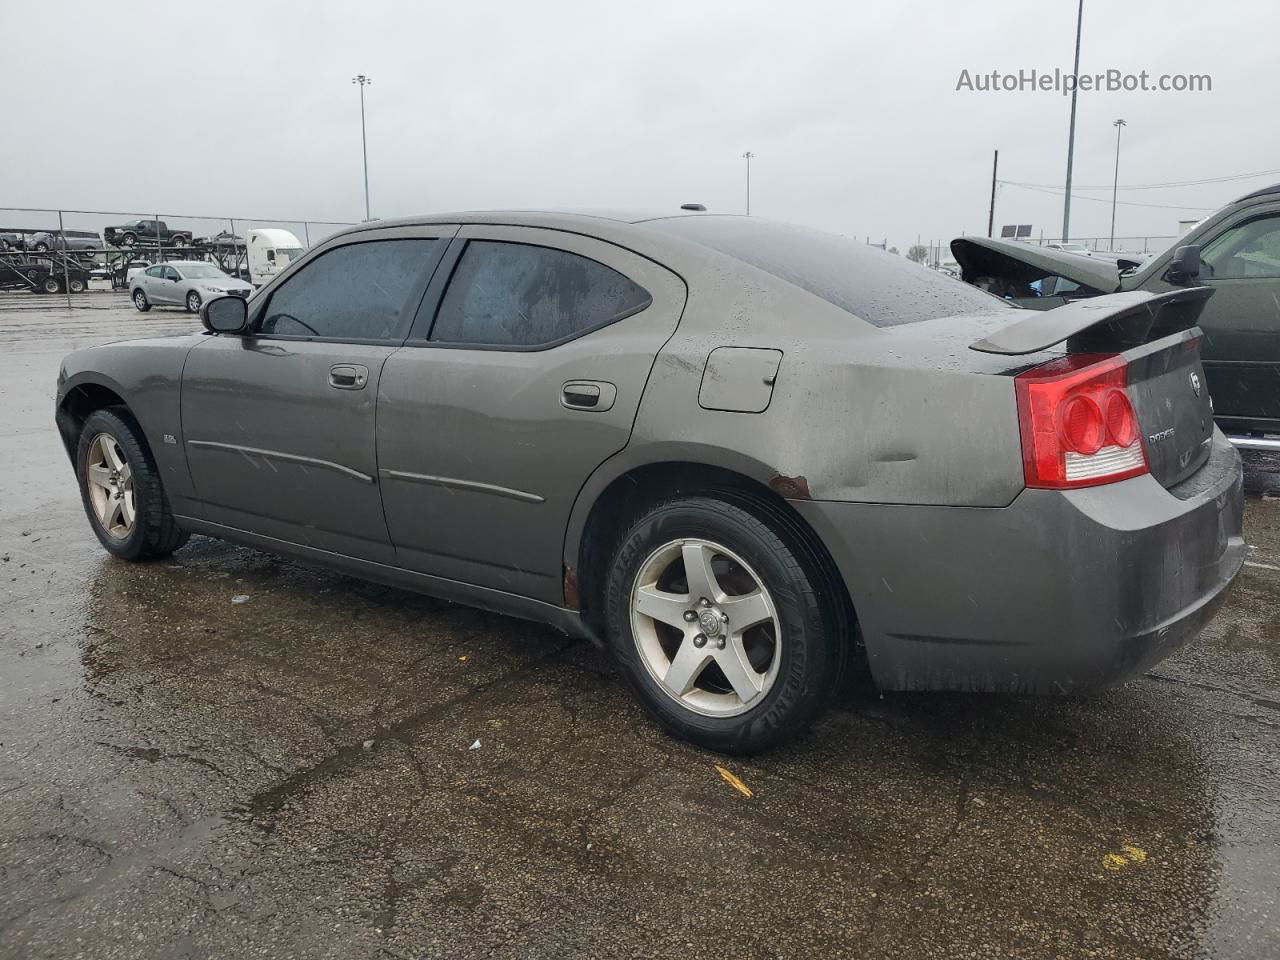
(882, 288)
(1249, 250)
(356, 292)
(513, 294)
(155, 271)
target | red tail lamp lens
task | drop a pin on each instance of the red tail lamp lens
(1122, 423)
(1080, 422)
(1078, 426)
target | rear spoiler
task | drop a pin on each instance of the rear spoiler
(1114, 322)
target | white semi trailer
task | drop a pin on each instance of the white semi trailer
(269, 251)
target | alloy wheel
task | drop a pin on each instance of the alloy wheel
(705, 627)
(110, 483)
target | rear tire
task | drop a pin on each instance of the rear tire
(794, 661)
(50, 285)
(112, 441)
(140, 301)
(76, 285)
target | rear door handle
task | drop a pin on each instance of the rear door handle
(348, 376)
(594, 396)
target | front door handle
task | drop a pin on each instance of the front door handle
(348, 376)
(594, 396)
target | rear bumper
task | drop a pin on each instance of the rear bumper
(1060, 592)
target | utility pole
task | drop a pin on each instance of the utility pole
(1115, 184)
(1071, 134)
(991, 213)
(364, 81)
(747, 157)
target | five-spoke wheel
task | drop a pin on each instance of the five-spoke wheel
(725, 621)
(110, 481)
(705, 627)
(121, 488)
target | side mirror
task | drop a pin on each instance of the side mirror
(224, 315)
(1185, 265)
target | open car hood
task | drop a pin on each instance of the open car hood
(1023, 263)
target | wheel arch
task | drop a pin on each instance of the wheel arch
(624, 486)
(81, 399)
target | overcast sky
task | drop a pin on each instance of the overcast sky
(247, 108)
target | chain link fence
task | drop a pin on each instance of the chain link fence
(84, 256)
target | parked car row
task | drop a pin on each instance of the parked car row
(257, 257)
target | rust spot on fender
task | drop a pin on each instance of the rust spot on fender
(571, 598)
(792, 488)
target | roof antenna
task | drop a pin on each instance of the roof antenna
(696, 207)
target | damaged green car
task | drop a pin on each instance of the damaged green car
(1234, 251)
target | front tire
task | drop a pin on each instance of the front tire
(723, 625)
(140, 301)
(121, 490)
(193, 302)
(128, 240)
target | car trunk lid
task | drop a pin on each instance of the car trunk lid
(1167, 388)
(1012, 265)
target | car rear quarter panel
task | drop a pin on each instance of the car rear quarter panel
(857, 414)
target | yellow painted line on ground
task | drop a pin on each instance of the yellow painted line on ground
(1127, 856)
(733, 781)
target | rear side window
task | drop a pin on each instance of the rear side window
(519, 295)
(357, 292)
(881, 288)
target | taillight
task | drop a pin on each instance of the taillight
(1078, 424)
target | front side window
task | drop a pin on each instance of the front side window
(170, 273)
(518, 295)
(356, 292)
(1251, 249)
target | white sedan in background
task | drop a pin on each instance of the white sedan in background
(183, 283)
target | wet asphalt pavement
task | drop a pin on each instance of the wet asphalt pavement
(292, 775)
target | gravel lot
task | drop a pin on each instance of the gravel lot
(293, 775)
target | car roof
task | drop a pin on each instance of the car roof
(538, 216)
(629, 229)
(1264, 192)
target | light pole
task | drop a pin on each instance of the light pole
(1116, 182)
(747, 157)
(1071, 133)
(364, 81)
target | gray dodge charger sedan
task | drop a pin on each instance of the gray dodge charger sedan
(744, 456)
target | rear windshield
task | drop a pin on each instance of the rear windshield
(882, 288)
